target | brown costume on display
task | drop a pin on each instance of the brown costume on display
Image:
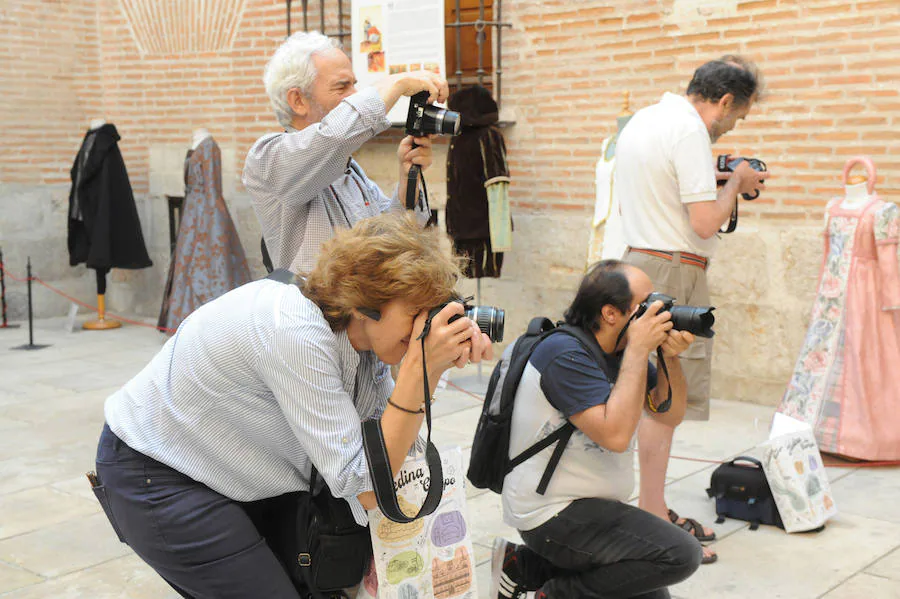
(475, 156)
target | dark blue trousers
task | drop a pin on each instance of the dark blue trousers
(205, 545)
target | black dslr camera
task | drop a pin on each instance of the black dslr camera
(425, 119)
(695, 320)
(489, 319)
(725, 163)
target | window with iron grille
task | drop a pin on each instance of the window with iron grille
(473, 41)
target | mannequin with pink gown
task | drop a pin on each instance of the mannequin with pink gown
(846, 382)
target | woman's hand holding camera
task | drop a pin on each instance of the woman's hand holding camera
(450, 343)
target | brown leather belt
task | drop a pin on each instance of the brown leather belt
(686, 257)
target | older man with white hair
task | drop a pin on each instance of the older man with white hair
(304, 181)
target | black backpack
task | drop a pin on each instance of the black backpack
(490, 461)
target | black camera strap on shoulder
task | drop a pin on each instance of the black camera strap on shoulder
(380, 465)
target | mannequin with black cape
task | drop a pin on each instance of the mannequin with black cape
(104, 230)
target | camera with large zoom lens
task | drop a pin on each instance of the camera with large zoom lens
(695, 320)
(490, 320)
(726, 163)
(426, 119)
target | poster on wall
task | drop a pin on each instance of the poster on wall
(394, 36)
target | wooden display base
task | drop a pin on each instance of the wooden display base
(101, 324)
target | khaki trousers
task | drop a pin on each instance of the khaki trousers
(687, 284)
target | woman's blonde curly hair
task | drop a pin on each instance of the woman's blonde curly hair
(383, 258)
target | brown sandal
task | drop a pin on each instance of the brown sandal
(693, 527)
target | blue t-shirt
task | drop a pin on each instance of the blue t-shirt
(571, 379)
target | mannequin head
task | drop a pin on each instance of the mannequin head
(198, 137)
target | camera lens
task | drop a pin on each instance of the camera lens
(440, 120)
(490, 320)
(698, 321)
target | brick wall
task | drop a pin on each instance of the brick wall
(158, 69)
(831, 69)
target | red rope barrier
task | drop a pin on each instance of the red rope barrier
(14, 278)
(81, 303)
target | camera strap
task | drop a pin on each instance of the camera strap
(733, 221)
(380, 465)
(412, 178)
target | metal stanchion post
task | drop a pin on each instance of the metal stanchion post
(30, 344)
(4, 324)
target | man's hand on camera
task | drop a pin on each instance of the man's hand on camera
(676, 342)
(409, 155)
(651, 329)
(407, 84)
(748, 179)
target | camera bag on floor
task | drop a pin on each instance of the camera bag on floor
(742, 492)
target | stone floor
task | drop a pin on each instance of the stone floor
(55, 541)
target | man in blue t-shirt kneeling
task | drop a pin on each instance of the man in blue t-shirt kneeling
(581, 538)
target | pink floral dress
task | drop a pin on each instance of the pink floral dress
(846, 383)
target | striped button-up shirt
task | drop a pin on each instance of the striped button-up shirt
(305, 184)
(252, 388)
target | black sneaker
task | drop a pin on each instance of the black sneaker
(505, 571)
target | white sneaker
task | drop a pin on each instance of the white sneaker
(504, 570)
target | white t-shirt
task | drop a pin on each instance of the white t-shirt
(664, 161)
(563, 374)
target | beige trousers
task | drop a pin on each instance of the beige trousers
(687, 284)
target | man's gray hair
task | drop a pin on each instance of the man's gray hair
(292, 66)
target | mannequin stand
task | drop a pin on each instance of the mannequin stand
(101, 324)
(31, 344)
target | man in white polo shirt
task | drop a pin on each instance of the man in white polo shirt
(672, 210)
